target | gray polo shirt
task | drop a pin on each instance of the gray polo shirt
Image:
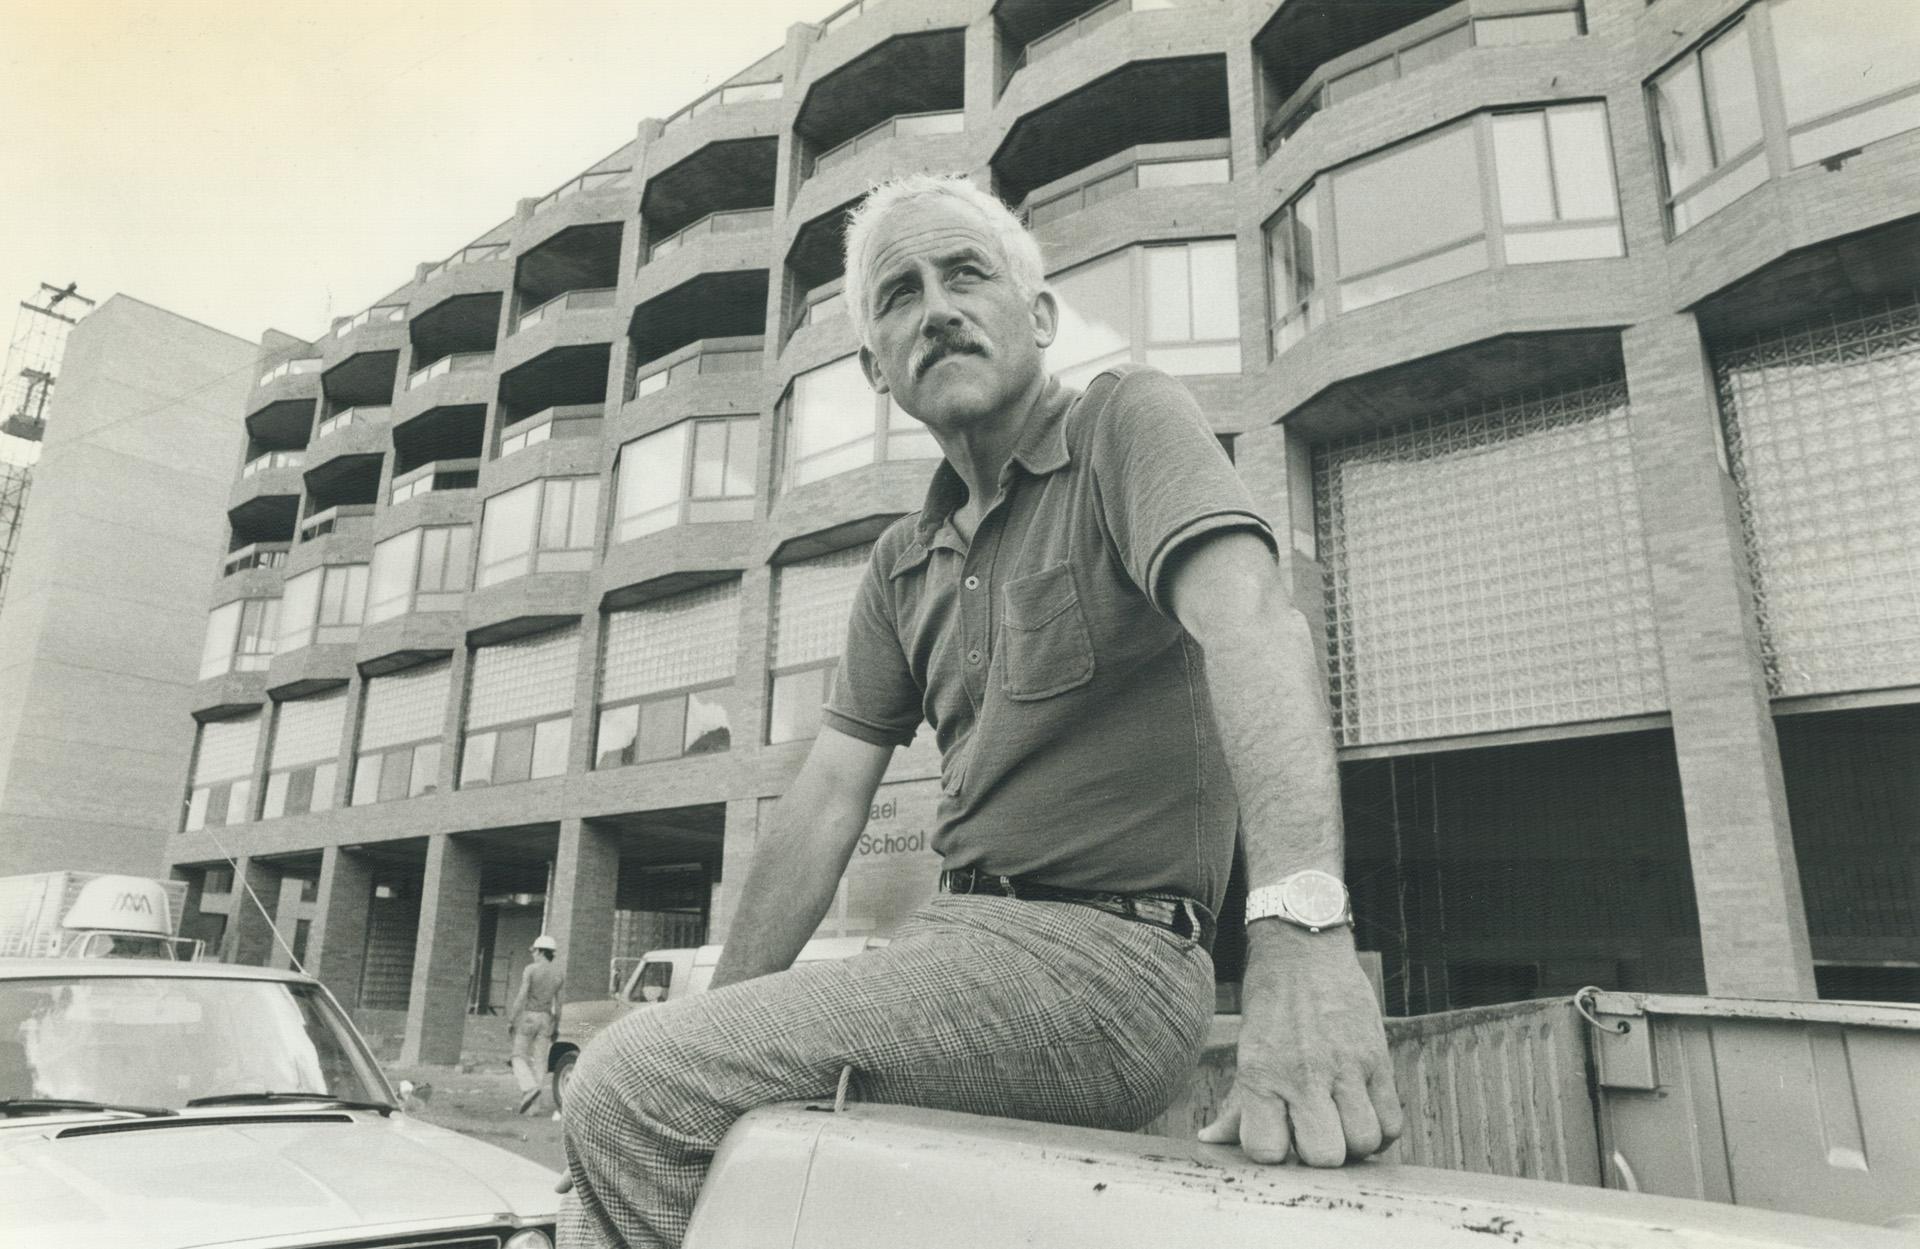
(1076, 734)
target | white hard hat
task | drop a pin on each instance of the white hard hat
(544, 942)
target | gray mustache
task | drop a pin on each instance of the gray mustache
(944, 348)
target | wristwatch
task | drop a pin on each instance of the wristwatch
(1310, 899)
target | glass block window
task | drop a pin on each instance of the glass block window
(1175, 306)
(1487, 571)
(520, 708)
(420, 570)
(323, 605)
(1707, 106)
(688, 473)
(1554, 167)
(240, 637)
(812, 605)
(402, 718)
(221, 788)
(835, 421)
(1823, 440)
(543, 526)
(303, 762)
(666, 684)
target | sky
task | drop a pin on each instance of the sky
(256, 164)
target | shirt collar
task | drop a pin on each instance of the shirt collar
(1040, 450)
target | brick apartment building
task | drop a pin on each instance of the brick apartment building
(1574, 344)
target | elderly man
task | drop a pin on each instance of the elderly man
(1087, 612)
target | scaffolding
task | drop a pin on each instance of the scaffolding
(26, 388)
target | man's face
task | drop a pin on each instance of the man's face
(954, 341)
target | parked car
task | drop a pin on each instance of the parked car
(166, 1104)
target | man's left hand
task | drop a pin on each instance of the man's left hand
(1314, 1079)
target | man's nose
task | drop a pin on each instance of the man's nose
(938, 312)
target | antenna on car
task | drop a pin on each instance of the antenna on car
(240, 878)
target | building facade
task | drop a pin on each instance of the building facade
(98, 631)
(1573, 344)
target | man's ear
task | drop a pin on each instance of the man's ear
(871, 367)
(1046, 318)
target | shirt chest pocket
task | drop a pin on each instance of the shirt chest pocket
(1044, 644)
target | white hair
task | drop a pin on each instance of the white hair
(1021, 249)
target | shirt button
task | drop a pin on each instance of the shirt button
(973, 583)
(973, 657)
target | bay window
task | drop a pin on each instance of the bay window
(812, 605)
(420, 570)
(322, 605)
(835, 422)
(689, 473)
(542, 526)
(240, 637)
(666, 677)
(1386, 248)
(520, 709)
(303, 761)
(1554, 167)
(403, 719)
(1175, 306)
(1849, 73)
(220, 790)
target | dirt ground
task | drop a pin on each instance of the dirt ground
(480, 1103)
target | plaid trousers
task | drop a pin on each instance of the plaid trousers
(1030, 1010)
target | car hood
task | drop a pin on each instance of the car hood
(207, 1179)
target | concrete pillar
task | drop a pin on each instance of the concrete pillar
(249, 937)
(586, 873)
(1753, 924)
(443, 953)
(337, 944)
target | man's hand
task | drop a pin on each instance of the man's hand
(1314, 1078)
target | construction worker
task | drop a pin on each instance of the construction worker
(534, 1016)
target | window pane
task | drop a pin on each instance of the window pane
(424, 775)
(1436, 49)
(1589, 242)
(240, 802)
(394, 775)
(1683, 126)
(1169, 296)
(613, 743)
(1374, 226)
(259, 620)
(832, 405)
(506, 533)
(405, 706)
(1733, 98)
(197, 809)
(1582, 162)
(586, 512)
(1186, 172)
(649, 489)
(299, 605)
(709, 458)
(1455, 262)
(556, 507)
(325, 776)
(1096, 311)
(662, 729)
(1523, 168)
(366, 780)
(1190, 358)
(524, 679)
(812, 604)
(795, 711)
(1216, 289)
(275, 804)
(297, 797)
(1838, 53)
(709, 724)
(459, 557)
(513, 755)
(476, 763)
(550, 746)
(216, 655)
(671, 642)
(743, 456)
(392, 579)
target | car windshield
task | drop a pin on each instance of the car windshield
(163, 1041)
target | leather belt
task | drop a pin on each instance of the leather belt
(1181, 916)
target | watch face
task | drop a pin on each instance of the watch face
(1316, 899)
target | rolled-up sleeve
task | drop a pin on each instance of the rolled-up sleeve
(875, 697)
(1162, 478)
